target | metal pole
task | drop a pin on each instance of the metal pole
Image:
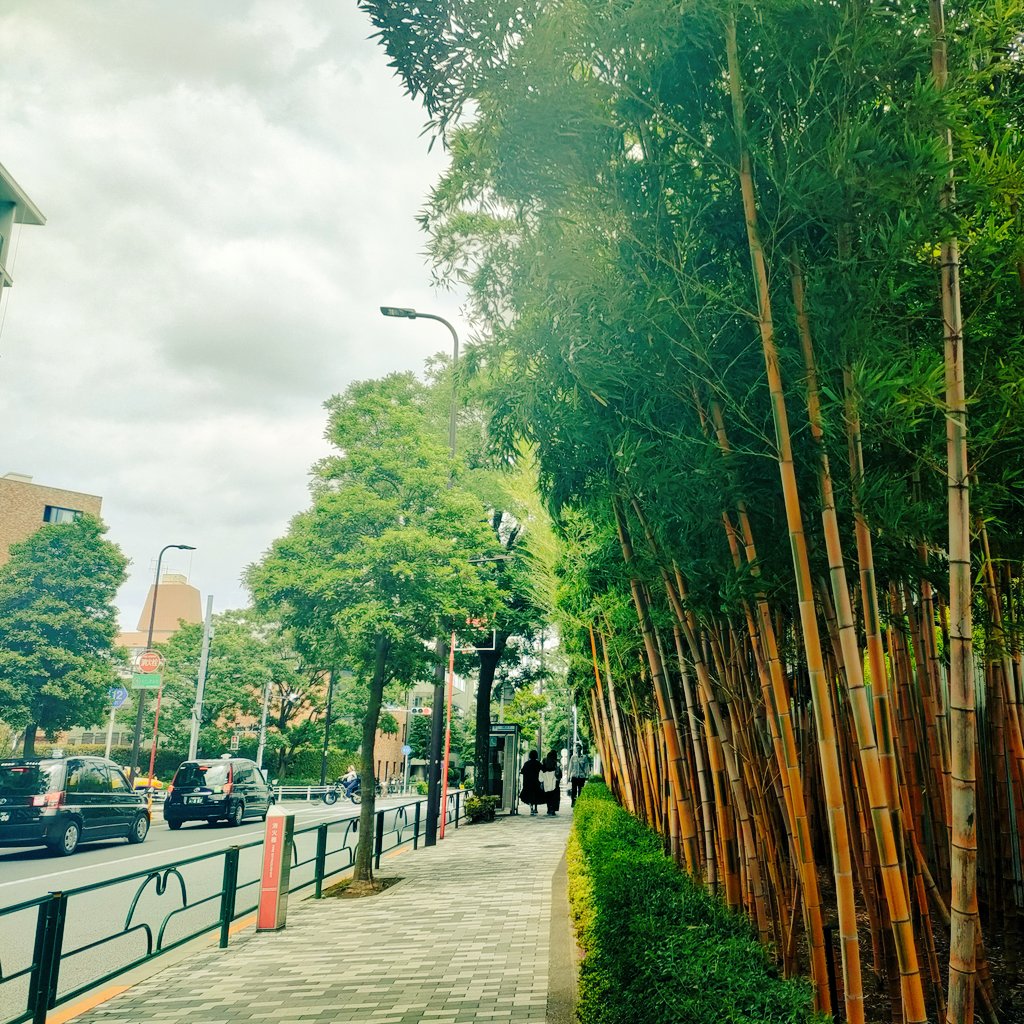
(204, 657)
(436, 732)
(327, 729)
(433, 779)
(263, 725)
(447, 733)
(142, 693)
(110, 731)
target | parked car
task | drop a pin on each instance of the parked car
(219, 789)
(60, 802)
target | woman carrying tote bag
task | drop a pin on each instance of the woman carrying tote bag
(551, 776)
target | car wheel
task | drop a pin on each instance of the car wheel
(67, 843)
(235, 815)
(139, 830)
(173, 824)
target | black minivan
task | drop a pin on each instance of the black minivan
(219, 789)
(60, 802)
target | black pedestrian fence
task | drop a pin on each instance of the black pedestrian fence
(57, 947)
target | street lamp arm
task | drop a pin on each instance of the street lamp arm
(406, 313)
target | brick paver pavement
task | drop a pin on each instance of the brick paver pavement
(465, 937)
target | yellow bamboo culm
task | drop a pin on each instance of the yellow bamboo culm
(821, 704)
(894, 874)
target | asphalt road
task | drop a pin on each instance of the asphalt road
(187, 903)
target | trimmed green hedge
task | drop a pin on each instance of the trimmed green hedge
(658, 948)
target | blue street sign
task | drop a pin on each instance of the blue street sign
(118, 695)
(406, 750)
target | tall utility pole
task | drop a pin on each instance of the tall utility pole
(440, 645)
(327, 728)
(204, 658)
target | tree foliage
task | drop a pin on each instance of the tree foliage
(381, 562)
(57, 627)
(662, 211)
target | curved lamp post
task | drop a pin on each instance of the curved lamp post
(149, 644)
(441, 646)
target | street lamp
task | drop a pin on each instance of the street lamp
(136, 738)
(441, 646)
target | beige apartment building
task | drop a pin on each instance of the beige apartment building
(25, 506)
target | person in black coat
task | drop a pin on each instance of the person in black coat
(532, 792)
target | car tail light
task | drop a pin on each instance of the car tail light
(227, 788)
(55, 799)
(170, 789)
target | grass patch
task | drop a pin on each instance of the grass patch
(657, 947)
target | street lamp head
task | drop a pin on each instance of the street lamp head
(184, 547)
(401, 311)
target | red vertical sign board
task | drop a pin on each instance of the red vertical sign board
(277, 863)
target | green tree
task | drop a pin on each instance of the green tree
(248, 656)
(57, 627)
(381, 562)
(419, 737)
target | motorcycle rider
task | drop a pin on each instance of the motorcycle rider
(350, 779)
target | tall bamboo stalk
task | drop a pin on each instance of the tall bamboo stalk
(964, 887)
(688, 830)
(883, 814)
(827, 749)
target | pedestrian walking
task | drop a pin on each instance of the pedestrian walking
(532, 792)
(551, 776)
(579, 771)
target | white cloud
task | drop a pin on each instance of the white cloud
(230, 190)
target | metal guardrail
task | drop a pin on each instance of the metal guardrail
(54, 911)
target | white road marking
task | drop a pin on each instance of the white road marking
(184, 851)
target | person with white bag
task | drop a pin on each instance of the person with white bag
(550, 777)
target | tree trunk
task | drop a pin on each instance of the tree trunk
(485, 684)
(364, 848)
(29, 749)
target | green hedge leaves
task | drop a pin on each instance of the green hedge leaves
(658, 948)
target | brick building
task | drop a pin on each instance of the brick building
(26, 506)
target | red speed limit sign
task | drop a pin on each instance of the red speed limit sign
(149, 661)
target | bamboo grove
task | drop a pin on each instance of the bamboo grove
(749, 281)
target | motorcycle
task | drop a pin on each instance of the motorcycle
(341, 788)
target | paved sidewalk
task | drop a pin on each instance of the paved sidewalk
(465, 937)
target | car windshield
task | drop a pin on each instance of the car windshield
(193, 774)
(28, 778)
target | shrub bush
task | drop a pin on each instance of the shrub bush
(481, 808)
(658, 947)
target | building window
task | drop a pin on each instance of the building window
(56, 514)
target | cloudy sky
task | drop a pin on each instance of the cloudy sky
(230, 189)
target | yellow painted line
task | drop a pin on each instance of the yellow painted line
(90, 1002)
(245, 922)
(392, 853)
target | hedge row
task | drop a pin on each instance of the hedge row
(659, 948)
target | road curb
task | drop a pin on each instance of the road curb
(561, 1007)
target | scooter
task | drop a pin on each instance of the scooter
(341, 788)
